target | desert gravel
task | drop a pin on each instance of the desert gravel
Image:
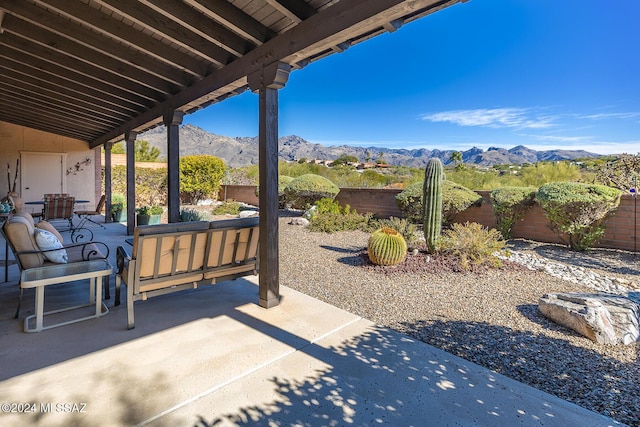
(490, 317)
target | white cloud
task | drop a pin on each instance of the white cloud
(552, 138)
(493, 117)
(604, 116)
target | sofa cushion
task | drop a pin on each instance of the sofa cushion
(145, 230)
(46, 225)
(47, 241)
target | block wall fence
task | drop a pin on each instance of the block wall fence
(621, 228)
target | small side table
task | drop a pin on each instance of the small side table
(41, 277)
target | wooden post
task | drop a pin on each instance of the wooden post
(266, 82)
(107, 181)
(130, 139)
(172, 120)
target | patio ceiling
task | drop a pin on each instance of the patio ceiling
(95, 69)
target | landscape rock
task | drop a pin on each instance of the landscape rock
(603, 318)
(299, 221)
(247, 214)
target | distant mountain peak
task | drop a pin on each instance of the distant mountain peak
(243, 151)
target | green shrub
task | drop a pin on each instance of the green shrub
(150, 183)
(200, 177)
(327, 205)
(150, 210)
(409, 201)
(473, 244)
(510, 204)
(307, 189)
(118, 202)
(407, 229)
(331, 222)
(189, 215)
(283, 181)
(228, 207)
(578, 210)
(455, 199)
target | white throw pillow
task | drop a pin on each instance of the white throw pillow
(47, 240)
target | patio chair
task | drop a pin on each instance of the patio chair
(40, 214)
(59, 208)
(85, 216)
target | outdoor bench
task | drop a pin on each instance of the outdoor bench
(41, 266)
(168, 258)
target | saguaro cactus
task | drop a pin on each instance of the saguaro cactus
(432, 202)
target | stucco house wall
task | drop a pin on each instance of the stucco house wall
(15, 140)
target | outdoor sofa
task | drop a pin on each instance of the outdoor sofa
(166, 258)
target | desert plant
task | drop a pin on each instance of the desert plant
(332, 222)
(228, 207)
(406, 228)
(189, 214)
(578, 210)
(432, 202)
(622, 173)
(327, 205)
(510, 204)
(386, 247)
(473, 244)
(307, 189)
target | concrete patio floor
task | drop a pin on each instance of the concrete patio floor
(212, 356)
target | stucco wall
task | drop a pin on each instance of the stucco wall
(621, 228)
(14, 140)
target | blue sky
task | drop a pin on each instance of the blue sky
(546, 74)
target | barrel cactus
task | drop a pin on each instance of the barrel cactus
(387, 247)
(432, 202)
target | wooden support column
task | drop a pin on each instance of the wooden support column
(107, 181)
(173, 120)
(266, 82)
(130, 139)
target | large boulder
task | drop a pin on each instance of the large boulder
(603, 318)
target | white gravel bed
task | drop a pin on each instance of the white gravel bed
(489, 318)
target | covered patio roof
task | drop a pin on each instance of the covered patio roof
(103, 70)
(94, 70)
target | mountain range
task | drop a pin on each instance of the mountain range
(243, 151)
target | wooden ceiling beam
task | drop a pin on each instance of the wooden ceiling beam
(53, 73)
(198, 23)
(85, 57)
(234, 19)
(131, 37)
(22, 102)
(52, 92)
(296, 10)
(83, 70)
(40, 121)
(160, 24)
(90, 40)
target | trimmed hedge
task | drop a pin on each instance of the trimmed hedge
(578, 210)
(306, 190)
(455, 199)
(510, 204)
